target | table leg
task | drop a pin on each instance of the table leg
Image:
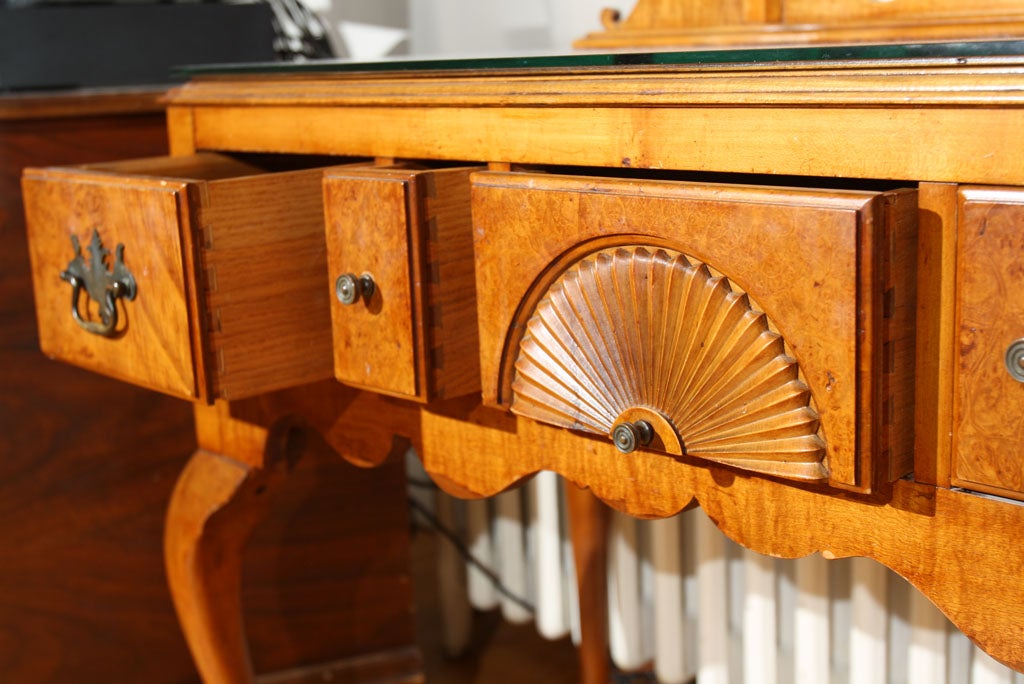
(216, 504)
(588, 526)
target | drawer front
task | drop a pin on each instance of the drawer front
(761, 328)
(105, 219)
(988, 422)
(400, 256)
(227, 260)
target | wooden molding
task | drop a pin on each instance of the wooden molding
(659, 23)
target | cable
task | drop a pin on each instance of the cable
(467, 555)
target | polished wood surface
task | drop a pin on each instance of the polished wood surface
(208, 237)
(377, 339)
(688, 23)
(669, 152)
(264, 265)
(86, 462)
(60, 205)
(818, 259)
(409, 230)
(988, 434)
(87, 465)
(935, 347)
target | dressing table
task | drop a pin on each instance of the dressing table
(777, 283)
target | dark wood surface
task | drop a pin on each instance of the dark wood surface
(87, 465)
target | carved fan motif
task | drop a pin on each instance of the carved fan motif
(630, 328)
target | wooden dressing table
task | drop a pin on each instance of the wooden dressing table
(778, 284)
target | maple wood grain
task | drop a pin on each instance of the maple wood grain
(88, 465)
(377, 341)
(230, 265)
(153, 345)
(749, 22)
(628, 329)
(935, 346)
(810, 260)
(264, 264)
(766, 515)
(223, 496)
(410, 231)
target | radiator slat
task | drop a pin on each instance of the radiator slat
(811, 630)
(692, 603)
(482, 593)
(927, 654)
(666, 546)
(869, 618)
(760, 661)
(550, 571)
(510, 540)
(712, 604)
(625, 604)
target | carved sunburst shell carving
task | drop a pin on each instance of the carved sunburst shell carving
(635, 328)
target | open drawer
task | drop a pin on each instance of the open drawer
(400, 252)
(769, 329)
(198, 276)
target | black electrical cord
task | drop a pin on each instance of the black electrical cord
(453, 538)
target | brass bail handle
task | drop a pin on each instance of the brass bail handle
(103, 286)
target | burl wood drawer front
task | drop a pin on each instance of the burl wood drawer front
(226, 263)
(988, 411)
(400, 254)
(769, 329)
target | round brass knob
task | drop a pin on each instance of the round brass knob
(1015, 360)
(627, 437)
(348, 288)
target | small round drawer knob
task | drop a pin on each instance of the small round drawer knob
(349, 288)
(1015, 360)
(628, 436)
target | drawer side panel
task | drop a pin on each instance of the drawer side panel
(264, 268)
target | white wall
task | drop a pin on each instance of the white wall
(474, 27)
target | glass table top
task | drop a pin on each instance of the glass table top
(959, 51)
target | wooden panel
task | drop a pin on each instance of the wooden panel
(238, 308)
(375, 341)
(974, 144)
(898, 333)
(86, 468)
(411, 230)
(811, 260)
(935, 350)
(447, 233)
(942, 541)
(264, 264)
(752, 22)
(152, 346)
(988, 417)
(846, 11)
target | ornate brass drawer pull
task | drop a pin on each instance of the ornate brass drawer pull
(102, 286)
(349, 288)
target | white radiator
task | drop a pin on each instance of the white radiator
(688, 603)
